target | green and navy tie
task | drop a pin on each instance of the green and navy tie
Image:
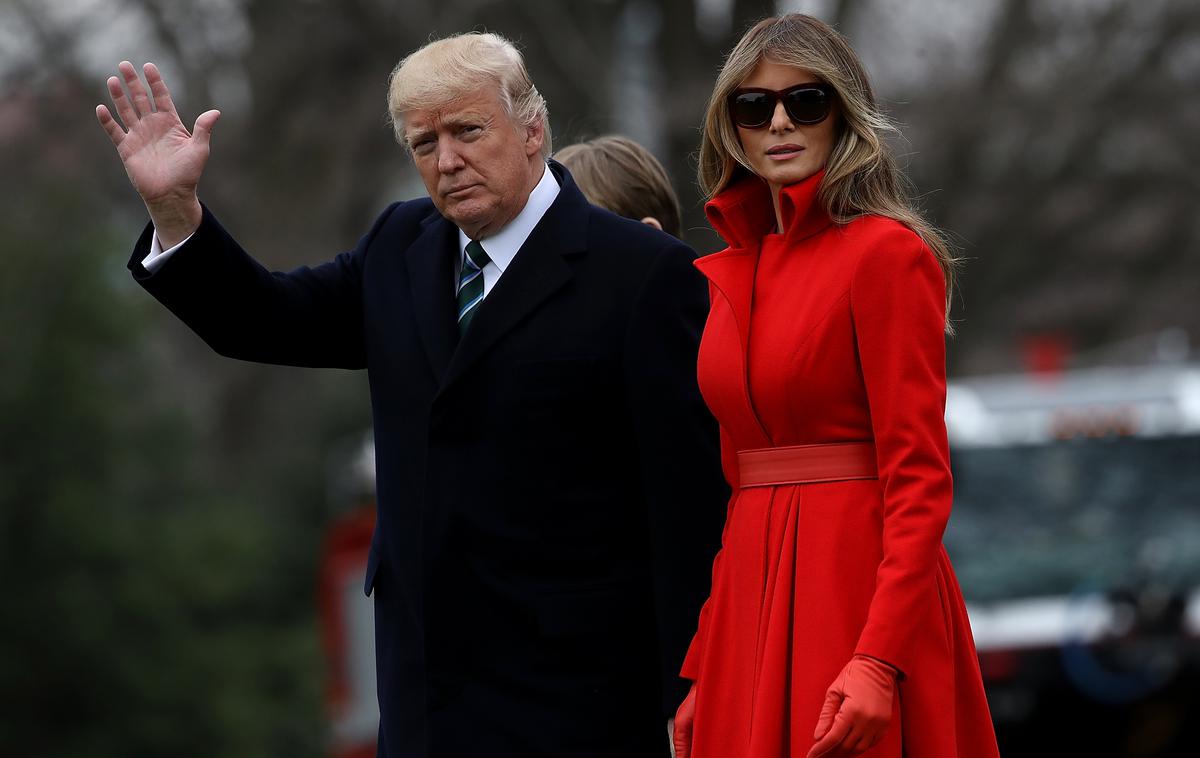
(470, 284)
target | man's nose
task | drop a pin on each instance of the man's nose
(449, 160)
(780, 120)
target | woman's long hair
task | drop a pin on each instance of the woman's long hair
(861, 176)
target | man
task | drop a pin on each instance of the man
(549, 490)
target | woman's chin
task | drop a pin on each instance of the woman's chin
(784, 175)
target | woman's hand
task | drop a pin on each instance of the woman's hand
(682, 736)
(857, 709)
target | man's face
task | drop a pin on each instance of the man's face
(478, 166)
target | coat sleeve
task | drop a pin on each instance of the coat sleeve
(677, 448)
(897, 301)
(306, 317)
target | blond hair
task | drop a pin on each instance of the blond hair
(447, 69)
(617, 173)
(861, 176)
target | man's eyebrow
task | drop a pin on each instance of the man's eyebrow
(416, 135)
(464, 118)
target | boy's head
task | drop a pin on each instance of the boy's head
(619, 174)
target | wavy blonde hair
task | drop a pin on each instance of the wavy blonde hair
(449, 68)
(861, 176)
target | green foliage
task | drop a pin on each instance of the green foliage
(149, 610)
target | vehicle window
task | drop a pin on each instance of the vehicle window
(1075, 515)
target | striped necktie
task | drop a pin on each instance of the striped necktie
(470, 284)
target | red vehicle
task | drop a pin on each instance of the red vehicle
(347, 619)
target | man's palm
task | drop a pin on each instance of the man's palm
(161, 156)
(163, 159)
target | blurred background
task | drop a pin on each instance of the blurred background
(181, 535)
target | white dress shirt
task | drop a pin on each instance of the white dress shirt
(501, 247)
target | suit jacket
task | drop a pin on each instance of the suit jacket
(549, 487)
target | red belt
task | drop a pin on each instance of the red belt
(805, 464)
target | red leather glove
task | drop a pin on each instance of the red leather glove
(857, 709)
(681, 736)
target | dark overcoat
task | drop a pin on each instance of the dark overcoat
(549, 487)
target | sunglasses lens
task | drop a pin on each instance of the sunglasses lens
(807, 106)
(752, 109)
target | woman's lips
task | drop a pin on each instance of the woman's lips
(783, 152)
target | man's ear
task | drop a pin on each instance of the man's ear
(535, 135)
(652, 221)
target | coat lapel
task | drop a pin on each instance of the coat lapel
(537, 271)
(731, 273)
(431, 260)
(743, 214)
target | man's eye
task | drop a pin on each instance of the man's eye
(469, 131)
(422, 147)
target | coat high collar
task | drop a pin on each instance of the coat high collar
(743, 212)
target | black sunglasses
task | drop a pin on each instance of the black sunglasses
(753, 107)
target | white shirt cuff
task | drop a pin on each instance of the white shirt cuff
(157, 257)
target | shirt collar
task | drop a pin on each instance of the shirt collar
(502, 246)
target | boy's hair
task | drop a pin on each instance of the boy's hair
(617, 173)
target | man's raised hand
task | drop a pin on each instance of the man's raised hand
(163, 160)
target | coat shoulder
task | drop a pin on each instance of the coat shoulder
(405, 214)
(631, 244)
(889, 257)
(884, 243)
(398, 225)
(880, 232)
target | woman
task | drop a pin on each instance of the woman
(835, 624)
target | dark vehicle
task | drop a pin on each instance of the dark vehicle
(1076, 537)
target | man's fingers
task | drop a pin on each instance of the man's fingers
(202, 131)
(141, 101)
(110, 125)
(158, 88)
(125, 110)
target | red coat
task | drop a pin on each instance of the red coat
(822, 334)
